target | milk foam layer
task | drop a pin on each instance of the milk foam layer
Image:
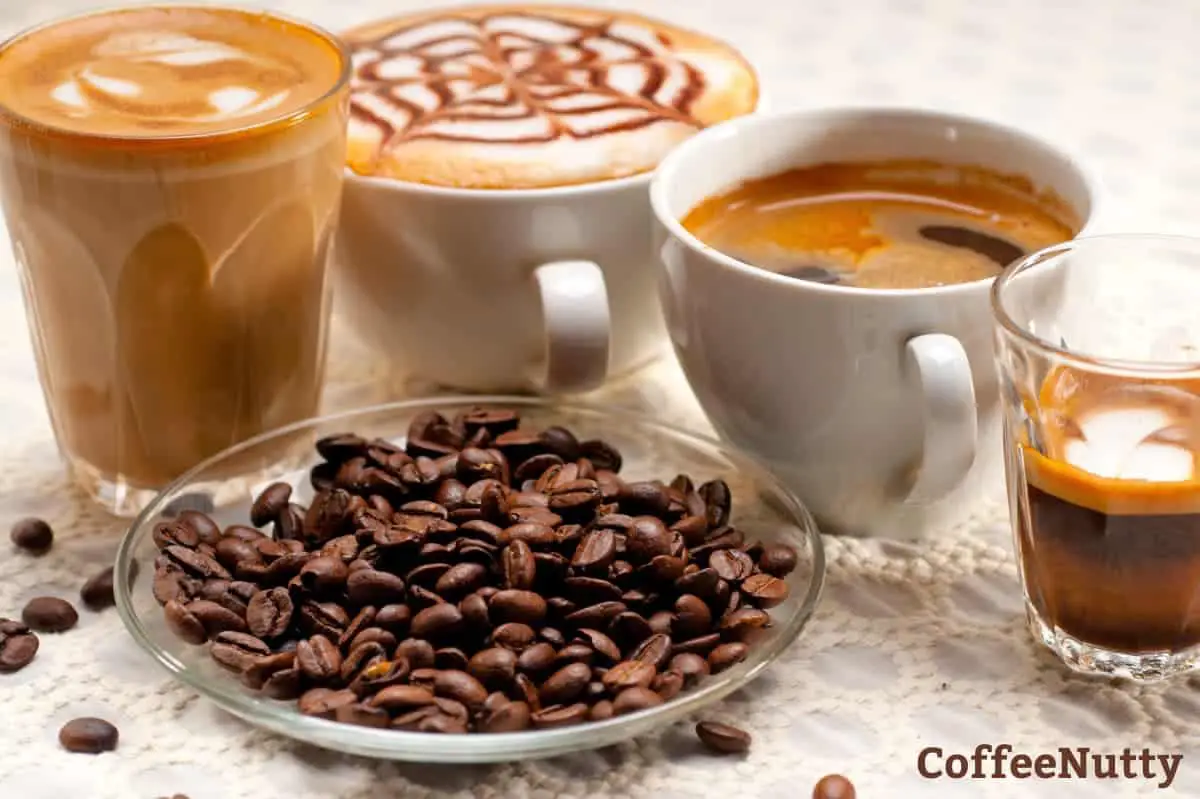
(165, 72)
(509, 97)
(1133, 443)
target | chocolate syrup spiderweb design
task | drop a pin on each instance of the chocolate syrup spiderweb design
(520, 79)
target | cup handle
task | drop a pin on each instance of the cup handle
(948, 407)
(577, 323)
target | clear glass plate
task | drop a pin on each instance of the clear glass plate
(762, 508)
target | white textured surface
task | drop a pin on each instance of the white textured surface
(914, 645)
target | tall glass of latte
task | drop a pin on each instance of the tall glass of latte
(1098, 346)
(171, 179)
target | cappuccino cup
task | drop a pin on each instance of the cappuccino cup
(879, 407)
(496, 233)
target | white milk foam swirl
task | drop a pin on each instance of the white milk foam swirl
(1137, 441)
(167, 56)
(519, 79)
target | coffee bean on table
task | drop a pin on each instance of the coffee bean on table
(18, 646)
(486, 577)
(89, 736)
(97, 593)
(32, 535)
(49, 614)
(723, 738)
(834, 786)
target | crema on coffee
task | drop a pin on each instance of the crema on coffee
(171, 179)
(530, 96)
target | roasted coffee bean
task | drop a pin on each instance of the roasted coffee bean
(97, 593)
(596, 616)
(777, 560)
(270, 503)
(232, 552)
(284, 684)
(453, 708)
(196, 564)
(595, 552)
(601, 711)
(89, 736)
(661, 622)
(494, 421)
(560, 716)
(379, 674)
(324, 702)
(256, 675)
(460, 580)
(49, 614)
(535, 534)
(700, 645)
(703, 583)
(461, 687)
(18, 646)
(363, 716)
(667, 685)
(394, 618)
(173, 586)
(322, 618)
(373, 587)
(665, 568)
(525, 690)
(377, 635)
(290, 524)
(216, 618)
(269, 613)
(34, 536)
(690, 666)
(507, 717)
(174, 533)
(208, 531)
(602, 455)
(628, 674)
(183, 623)
(419, 654)
(834, 786)
(575, 499)
(318, 659)
(604, 646)
(329, 516)
(476, 464)
(474, 609)
(655, 650)
(427, 575)
(765, 590)
(692, 528)
(522, 607)
(717, 499)
(647, 538)
(324, 574)
(494, 667)
(398, 699)
(727, 655)
(631, 700)
(574, 653)
(236, 651)
(339, 447)
(345, 548)
(535, 467)
(744, 623)
(723, 738)
(451, 658)
(692, 617)
(519, 566)
(437, 622)
(537, 659)
(732, 565)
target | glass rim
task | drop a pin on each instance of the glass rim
(479, 748)
(1009, 326)
(338, 46)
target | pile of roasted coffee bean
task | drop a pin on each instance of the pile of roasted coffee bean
(484, 577)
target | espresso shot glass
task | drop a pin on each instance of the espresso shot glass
(1098, 352)
(171, 180)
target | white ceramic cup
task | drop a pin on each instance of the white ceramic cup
(879, 408)
(501, 290)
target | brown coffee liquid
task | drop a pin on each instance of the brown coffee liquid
(171, 211)
(883, 225)
(1111, 545)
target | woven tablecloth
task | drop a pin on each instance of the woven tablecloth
(915, 644)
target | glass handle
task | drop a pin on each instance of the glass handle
(947, 394)
(578, 325)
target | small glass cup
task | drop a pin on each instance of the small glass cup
(175, 282)
(1098, 351)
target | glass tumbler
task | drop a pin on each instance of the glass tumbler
(1098, 351)
(175, 283)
